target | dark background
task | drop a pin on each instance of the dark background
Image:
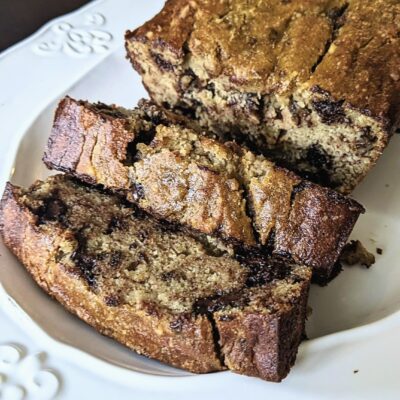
(21, 18)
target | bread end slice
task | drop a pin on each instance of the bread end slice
(179, 299)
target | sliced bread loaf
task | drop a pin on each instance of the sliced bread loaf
(185, 178)
(180, 299)
(313, 84)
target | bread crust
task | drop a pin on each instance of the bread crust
(365, 33)
(240, 69)
(287, 213)
(75, 152)
(247, 346)
(256, 343)
(193, 348)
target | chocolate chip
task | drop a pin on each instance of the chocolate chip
(166, 276)
(282, 133)
(163, 64)
(190, 72)
(267, 272)
(53, 209)
(59, 256)
(133, 265)
(271, 241)
(186, 111)
(330, 111)
(211, 88)
(368, 135)
(170, 275)
(133, 246)
(87, 265)
(317, 157)
(166, 226)
(142, 257)
(219, 302)
(321, 177)
(279, 115)
(252, 257)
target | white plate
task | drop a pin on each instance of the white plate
(355, 320)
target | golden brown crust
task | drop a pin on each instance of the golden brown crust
(188, 193)
(87, 151)
(304, 234)
(247, 341)
(226, 38)
(177, 33)
(255, 71)
(356, 57)
(192, 348)
(362, 64)
(270, 194)
(216, 204)
(256, 331)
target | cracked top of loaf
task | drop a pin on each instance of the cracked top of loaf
(350, 49)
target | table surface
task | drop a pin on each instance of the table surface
(21, 18)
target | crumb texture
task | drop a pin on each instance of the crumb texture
(193, 181)
(355, 253)
(163, 293)
(128, 258)
(323, 101)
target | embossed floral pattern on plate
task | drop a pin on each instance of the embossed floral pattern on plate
(82, 40)
(24, 375)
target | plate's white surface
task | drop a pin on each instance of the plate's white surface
(355, 321)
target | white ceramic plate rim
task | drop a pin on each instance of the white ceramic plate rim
(37, 98)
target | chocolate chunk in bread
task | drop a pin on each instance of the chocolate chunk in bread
(192, 180)
(181, 299)
(313, 85)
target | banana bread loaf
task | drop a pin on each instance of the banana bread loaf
(181, 299)
(186, 178)
(313, 84)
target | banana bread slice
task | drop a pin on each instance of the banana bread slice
(186, 178)
(312, 84)
(181, 299)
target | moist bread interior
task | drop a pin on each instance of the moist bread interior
(128, 258)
